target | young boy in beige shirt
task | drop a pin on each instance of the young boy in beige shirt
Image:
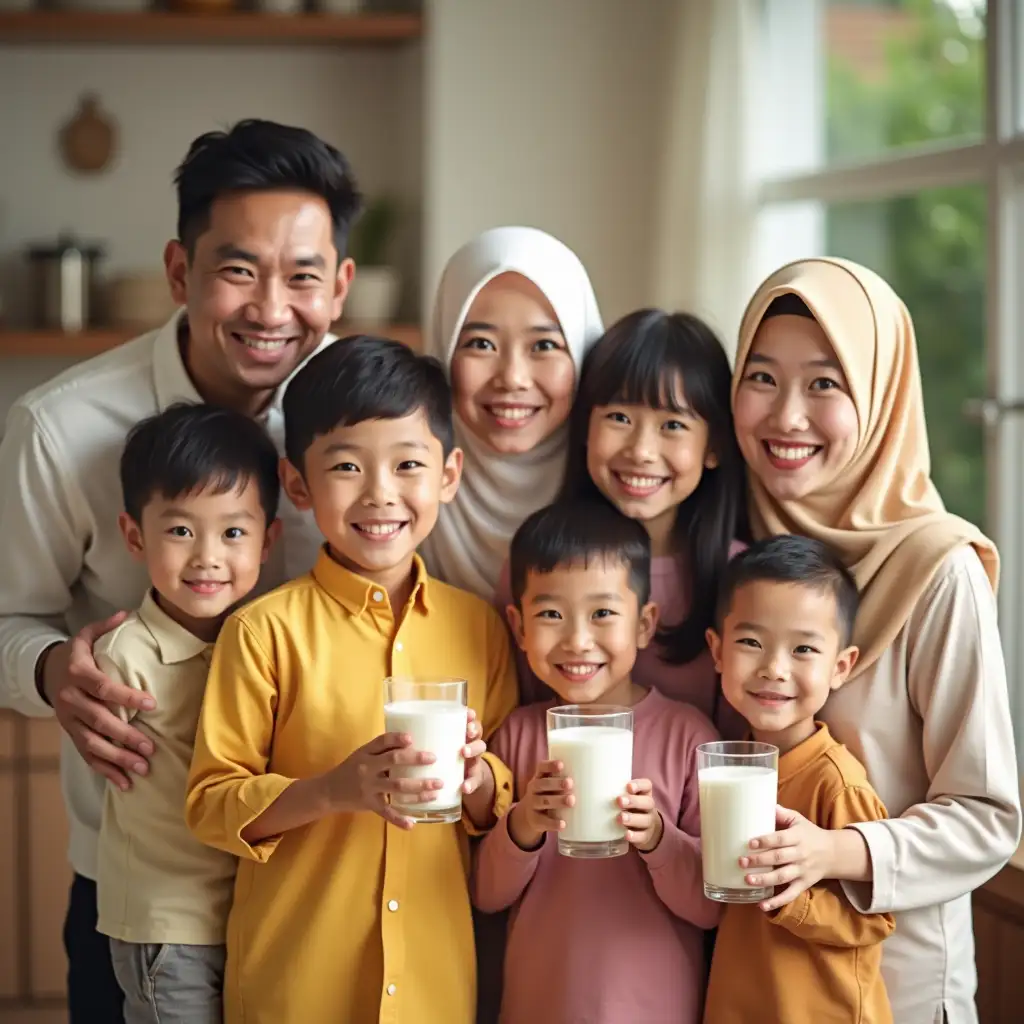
(200, 504)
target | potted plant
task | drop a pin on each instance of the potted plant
(373, 295)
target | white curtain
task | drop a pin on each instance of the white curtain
(705, 232)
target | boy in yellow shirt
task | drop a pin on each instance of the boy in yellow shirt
(343, 909)
(200, 504)
(782, 644)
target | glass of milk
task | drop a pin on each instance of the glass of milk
(738, 783)
(594, 742)
(433, 712)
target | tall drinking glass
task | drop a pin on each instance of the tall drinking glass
(595, 744)
(738, 786)
(433, 712)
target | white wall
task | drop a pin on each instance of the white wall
(549, 114)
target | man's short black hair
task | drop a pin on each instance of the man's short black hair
(363, 378)
(262, 156)
(191, 447)
(573, 532)
(788, 558)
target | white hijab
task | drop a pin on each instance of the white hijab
(470, 542)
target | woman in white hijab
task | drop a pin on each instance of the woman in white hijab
(514, 317)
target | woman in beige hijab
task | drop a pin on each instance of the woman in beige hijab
(830, 418)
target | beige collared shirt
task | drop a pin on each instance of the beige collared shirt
(157, 882)
(63, 562)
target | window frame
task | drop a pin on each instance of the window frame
(997, 162)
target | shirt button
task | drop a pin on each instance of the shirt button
(398, 646)
(391, 990)
(392, 905)
(378, 596)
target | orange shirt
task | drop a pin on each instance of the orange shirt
(815, 960)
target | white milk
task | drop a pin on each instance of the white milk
(599, 760)
(737, 804)
(437, 727)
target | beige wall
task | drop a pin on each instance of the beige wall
(550, 114)
(34, 873)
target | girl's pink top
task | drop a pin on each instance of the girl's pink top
(695, 683)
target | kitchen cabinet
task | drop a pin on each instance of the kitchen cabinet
(34, 872)
(999, 938)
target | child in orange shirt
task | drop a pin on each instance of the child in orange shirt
(782, 645)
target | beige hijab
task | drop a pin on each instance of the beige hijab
(882, 513)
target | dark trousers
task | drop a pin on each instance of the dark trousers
(709, 951)
(93, 993)
(489, 931)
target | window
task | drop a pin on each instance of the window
(890, 133)
(861, 80)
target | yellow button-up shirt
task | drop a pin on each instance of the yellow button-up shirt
(348, 919)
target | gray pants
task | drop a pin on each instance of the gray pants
(169, 984)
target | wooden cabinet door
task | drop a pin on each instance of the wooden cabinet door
(999, 937)
(34, 872)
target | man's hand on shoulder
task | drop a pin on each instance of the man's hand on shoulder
(79, 693)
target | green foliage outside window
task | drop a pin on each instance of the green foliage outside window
(931, 246)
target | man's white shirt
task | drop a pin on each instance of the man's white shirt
(63, 563)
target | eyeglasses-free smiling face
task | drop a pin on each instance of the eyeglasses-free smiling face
(780, 654)
(203, 551)
(796, 423)
(375, 489)
(262, 287)
(648, 461)
(580, 626)
(513, 377)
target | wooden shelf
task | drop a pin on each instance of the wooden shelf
(32, 344)
(235, 27)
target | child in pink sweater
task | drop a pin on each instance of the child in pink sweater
(615, 941)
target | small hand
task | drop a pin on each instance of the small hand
(362, 782)
(538, 812)
(643, 821)
(478, 787)
(797, 856)
(476, 769)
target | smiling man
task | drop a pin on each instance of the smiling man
(259, 267)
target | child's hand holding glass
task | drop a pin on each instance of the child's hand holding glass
(801, 854)
(478, 787)
(362, 782)
(538, 811)
(641, 818)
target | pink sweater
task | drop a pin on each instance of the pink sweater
(695, 683)
(616, 941)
